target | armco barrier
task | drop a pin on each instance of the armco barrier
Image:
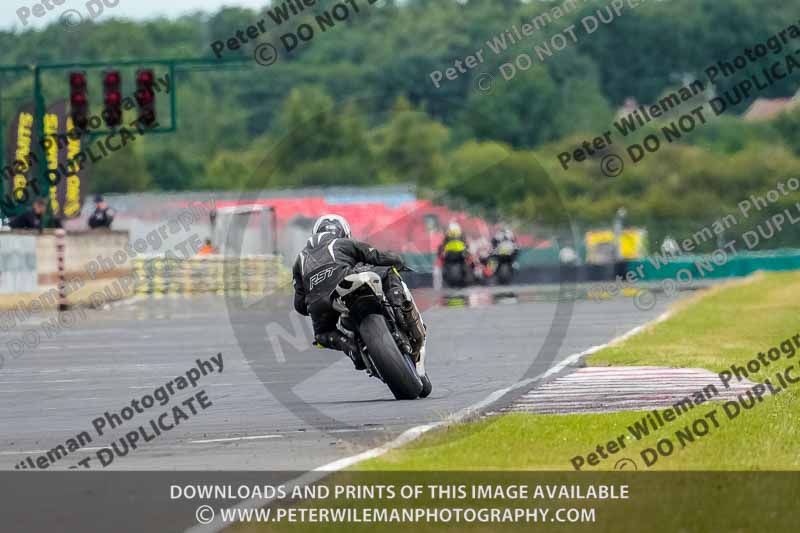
(210, 274)
(697, 266)
(704, 266)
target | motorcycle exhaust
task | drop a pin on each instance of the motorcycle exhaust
(413, 324)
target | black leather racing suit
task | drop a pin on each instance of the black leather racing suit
(319, 268)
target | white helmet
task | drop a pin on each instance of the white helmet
(454, 230)
(332, 224)
(504, 234)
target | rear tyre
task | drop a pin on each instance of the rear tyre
(454, 275)
(504, 273)
(427, 387)
(396, 369)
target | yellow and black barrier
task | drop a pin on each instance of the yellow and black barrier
(210, 274)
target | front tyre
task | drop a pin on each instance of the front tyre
(396, 369)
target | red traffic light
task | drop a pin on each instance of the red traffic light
(146, 98)
(145, 77)
(77, 81)
(111, 80)
(112, 110)
(79, 101)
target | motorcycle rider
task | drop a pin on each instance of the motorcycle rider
(454, 250)
(453, 240)
(331, 254)
(505, 236)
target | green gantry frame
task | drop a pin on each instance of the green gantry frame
(36, 71)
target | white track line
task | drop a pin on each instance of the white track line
(414, 433)
(233, 439)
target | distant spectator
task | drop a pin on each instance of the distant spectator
(568, 256)
(670, 246)
(32, 219)
(103, 215)
(207, 249)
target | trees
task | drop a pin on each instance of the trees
(123, 171)
(171, 169)
(318, 143)
(520, 112)
(410, 146)
(356, 105)
(787, 125)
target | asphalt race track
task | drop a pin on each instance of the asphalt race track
(296, 415)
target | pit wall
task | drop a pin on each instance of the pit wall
(31, 273)
(80, 250)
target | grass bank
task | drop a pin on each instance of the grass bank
(723, 326)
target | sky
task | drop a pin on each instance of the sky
(135, 9)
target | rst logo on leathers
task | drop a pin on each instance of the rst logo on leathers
(319, 277)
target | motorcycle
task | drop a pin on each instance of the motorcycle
(457, 268)
(456, 264)
(390, 340)
(501, 262)
(454, 270)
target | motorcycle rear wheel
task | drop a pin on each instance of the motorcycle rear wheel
(397, 371)
(454, 275)
(505, 273)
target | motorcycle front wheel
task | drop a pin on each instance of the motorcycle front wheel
(427, 387)
(397, 371)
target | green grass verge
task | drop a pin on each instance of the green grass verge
(722, 326)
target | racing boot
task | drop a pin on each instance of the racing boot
(336, 340)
